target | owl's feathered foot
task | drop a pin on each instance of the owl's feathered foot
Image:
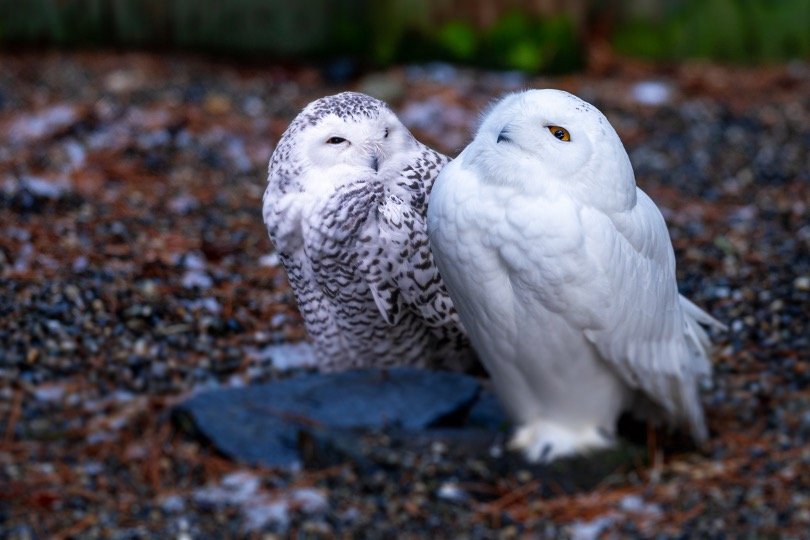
(542, 441)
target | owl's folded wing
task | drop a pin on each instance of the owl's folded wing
(646, 330)
(401, 272)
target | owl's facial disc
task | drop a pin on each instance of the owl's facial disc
(345, 144)
(352, 147)
(372, 150)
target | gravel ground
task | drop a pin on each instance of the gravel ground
(135, 270)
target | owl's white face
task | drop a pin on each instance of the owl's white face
(541, 141)
(350, 147)
(347, 137)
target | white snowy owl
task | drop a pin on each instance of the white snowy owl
(345, 207)
(563, 274)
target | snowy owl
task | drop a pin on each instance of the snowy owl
(345, 207)
(563, 274)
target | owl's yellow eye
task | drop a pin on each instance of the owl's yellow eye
(560, 132)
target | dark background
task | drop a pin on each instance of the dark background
(135, 270)
(530, 35)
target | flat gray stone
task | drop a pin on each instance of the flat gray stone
(383, 421)
(264, 423)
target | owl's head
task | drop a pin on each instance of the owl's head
(549, 141)
(347, 136)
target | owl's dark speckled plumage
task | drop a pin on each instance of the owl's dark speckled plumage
(353, 237)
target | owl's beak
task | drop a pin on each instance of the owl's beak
(374, 154)
(503, 136)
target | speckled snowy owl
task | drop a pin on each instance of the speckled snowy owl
(563, 274)
(345, 207)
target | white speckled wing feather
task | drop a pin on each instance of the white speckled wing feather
(344, 206)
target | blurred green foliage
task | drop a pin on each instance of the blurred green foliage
(380, 32)
(530, 44)
(458, 39)
(745, 31)
(515, 41)
(385, 31)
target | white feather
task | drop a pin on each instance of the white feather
(564, 276)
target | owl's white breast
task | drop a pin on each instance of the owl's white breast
(487, 243)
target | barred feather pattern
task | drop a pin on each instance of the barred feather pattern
(355, 246)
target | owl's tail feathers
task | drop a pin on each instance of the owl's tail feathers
(693, 415)
(694, 321)
(699, 344)
(700, 316)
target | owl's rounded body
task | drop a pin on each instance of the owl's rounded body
(547, 374)
(564, 277)
(345, 208)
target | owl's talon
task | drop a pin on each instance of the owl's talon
(543, 441)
